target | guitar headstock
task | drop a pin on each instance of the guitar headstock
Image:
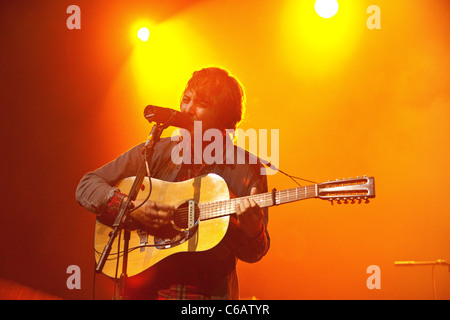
(353, 189)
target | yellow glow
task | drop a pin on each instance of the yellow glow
(143, 34)
(162, 66)
(316, 44)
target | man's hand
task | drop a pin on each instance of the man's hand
(153, 215)
(250, 216)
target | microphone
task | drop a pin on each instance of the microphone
(168, 117)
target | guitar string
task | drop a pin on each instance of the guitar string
(209, 210)
(265, 200)
(266, 197)
(227, 207)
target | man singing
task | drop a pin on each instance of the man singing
(216, 99)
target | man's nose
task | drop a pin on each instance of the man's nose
(190, 109)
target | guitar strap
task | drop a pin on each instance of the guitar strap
(197, 183)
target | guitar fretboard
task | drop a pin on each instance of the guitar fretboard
(228, 207)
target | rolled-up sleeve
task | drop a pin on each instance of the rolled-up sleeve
(96, 188)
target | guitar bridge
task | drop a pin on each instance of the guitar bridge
(191, 214)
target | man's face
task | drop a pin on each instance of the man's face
(201, 110)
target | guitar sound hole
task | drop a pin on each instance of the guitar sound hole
(181, 216)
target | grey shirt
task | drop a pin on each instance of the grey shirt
(210, 274)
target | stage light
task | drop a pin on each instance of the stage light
(326, 8)
(143, 34)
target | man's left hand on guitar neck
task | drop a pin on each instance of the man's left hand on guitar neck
(250, 216)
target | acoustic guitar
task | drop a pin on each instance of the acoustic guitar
(203, 209)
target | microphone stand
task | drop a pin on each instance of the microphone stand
(423, 263)
(127, 205)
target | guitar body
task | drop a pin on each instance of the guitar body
(146, 250)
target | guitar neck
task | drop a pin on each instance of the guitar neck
(228, 207)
